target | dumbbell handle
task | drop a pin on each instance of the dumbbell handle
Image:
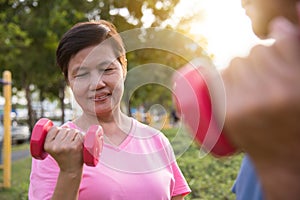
(92, 145)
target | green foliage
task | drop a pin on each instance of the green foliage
(19, 181)
(209, 178)
(31, 30)
(159, 63)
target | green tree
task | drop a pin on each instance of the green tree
(31, 30)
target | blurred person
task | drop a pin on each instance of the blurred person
(260, 106)
(137, 161)
(247, 185)
(263, 104)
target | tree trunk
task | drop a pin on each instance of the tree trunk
(61, 99)
(41, 102)
(31, 113)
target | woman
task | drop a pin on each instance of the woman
(137, 161)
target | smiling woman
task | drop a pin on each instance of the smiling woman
(92, 57)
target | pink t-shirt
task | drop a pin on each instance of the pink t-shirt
(142, 167)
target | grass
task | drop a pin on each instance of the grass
(208, 177)
(20, 171)
(20, 147)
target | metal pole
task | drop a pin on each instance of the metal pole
(7, 130)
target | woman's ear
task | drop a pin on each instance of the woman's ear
(123, 62)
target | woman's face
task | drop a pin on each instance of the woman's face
(96, 79)
(261, 12)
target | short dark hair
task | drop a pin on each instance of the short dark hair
(86, 34)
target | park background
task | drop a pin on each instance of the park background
(29, 34)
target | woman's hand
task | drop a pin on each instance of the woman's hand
(65, 145)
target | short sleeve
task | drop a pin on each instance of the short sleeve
(43, 178)
(181, 187)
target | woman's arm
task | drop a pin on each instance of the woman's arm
(67, 186)
(65, 146)
(178, 197)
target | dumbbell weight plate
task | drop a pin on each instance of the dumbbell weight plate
(193, 102)
(38, 137)
(92, 146)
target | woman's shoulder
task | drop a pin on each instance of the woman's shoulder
(145, 127)
(145, 130)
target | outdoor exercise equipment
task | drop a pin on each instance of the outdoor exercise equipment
(92, 145)
(194, 105)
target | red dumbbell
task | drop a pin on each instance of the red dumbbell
(193, 102)
(92, 145)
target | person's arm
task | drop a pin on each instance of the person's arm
(65, 146)
(181, 188)
(67, 186)
(179, 197)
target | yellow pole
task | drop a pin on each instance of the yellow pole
(7, 129)
(166, 122)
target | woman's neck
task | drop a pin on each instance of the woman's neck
(117, 123)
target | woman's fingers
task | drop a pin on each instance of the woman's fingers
(65, 146)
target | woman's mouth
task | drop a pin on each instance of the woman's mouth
(100, 97)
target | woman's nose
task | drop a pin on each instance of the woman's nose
(96, 81)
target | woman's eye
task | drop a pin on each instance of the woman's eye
(80, 75)
(108, 69)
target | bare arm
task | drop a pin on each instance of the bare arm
(67, 186)
(178, 197)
